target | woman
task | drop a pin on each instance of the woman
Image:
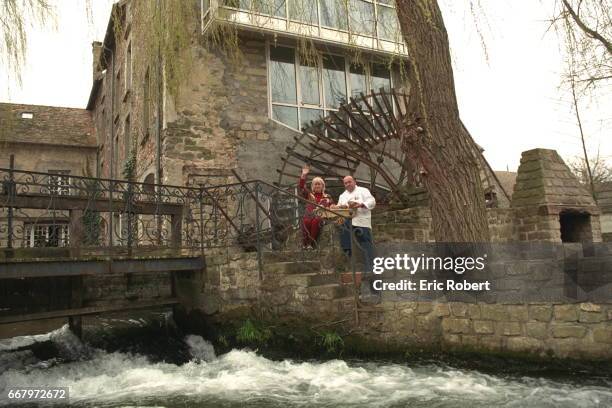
(311, 224)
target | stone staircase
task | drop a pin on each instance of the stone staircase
(293, 284)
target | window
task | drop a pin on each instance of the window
(334, 14)
(282, 71)
(116, 156)
(334, 81)
(146, 105)
(41, 235)
(127, 131)
(361, 15)
(305, 91)
(381, 77)
(128, 67)
(309, 83)
(358, 80)
(283, 85)
(272, 7)
(388, 25)
(59, 182)
(372, 18)
(304, 11)
(118, 97)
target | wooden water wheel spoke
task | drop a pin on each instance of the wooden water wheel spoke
(361, 139)
(313, 161)
(374, 114)
(355, 120)
(389, 112)
(368, 119)
(347, 136)
(349, 162)
(389, 107)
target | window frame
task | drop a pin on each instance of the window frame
(59, 182)
(32, 229)
(322, 106)
(319, 24)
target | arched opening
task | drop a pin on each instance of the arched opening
(149, 183)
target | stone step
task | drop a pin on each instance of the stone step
(345, 305)
(290, 268)
(330, 291)
(292, 255)
(309, 279)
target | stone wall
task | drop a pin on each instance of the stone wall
(577, 325)
(79, 161)
(414, 225)
(579, 331)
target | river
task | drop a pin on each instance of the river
(162, 371)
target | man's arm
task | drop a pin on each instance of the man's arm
(342, 201)
(369, 201)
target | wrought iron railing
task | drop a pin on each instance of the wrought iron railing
(42, 215)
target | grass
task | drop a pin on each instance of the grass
(250, 334)
(331, 342)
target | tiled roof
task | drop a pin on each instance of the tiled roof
(46, 124)
(507, 180)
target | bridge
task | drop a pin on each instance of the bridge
(65, 238)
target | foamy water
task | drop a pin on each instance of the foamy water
(243, 378)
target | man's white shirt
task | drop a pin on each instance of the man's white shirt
(361, 195)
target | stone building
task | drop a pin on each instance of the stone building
(45, 139)
(241, 113)
(48, 139)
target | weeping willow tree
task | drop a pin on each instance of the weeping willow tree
(16, 18)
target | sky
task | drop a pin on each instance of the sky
(510, 102)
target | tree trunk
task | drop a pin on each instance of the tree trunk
(434, 136)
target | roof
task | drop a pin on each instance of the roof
(544, 179)
(48, 125)
(507, 180)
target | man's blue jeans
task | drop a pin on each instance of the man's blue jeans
(363, 236)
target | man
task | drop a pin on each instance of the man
(360, 199)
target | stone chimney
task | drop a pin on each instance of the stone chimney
(96, 50)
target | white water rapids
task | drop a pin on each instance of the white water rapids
(243, 378)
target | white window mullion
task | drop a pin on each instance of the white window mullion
(298, 88)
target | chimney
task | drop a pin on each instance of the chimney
(96, 50)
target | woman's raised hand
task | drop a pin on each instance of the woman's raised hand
(305, 170)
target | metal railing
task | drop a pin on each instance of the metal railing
(46, 214)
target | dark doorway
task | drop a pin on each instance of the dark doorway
(575, 227)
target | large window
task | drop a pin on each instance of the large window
(284, 89)
(372, 18)
(305, 91)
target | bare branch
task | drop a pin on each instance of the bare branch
(590, 32)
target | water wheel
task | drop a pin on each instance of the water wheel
(360, 139)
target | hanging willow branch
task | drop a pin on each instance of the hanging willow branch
(16, 17)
